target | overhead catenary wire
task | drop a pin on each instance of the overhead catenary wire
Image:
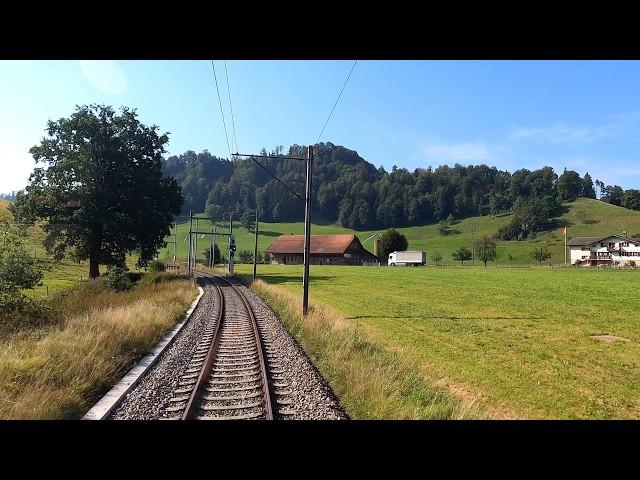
(233, 122)
(337, 100)
(221, 111)
(276, 178)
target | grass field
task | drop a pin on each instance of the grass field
(517, 343)
(59, 369)
(601, 219)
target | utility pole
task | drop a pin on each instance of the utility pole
(175, 242)
(307, 200)
(195, 245)
(255, 247)
(230, 243)
(212, 252)
(473, 243)
(190, 241)
(307, 232)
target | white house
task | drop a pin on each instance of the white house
(610, 250)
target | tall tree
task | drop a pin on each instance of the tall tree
(540, 254)
(631, 199)
(570, 185)
(391, 241)
(485, 249)
(587, 186)
(462, 254)
(100, 189)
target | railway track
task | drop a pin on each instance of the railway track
(233, 374)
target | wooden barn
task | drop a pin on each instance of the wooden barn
(325, 250)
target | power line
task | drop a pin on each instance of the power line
(221, 111)
(233, 122)
(338, 99)
(281, 182)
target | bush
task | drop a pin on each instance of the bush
(157, 266)
(18, 312)
(117, 279)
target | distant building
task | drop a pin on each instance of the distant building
(610, 250)
(325, 250)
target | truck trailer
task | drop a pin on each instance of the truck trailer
(407, 258)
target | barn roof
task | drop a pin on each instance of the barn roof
(583, 241)
(319, 244)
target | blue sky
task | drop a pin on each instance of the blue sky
(583, 115)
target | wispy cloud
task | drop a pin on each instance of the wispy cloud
(105, 75)
(569, 134)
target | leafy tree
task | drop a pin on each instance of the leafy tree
(391, 241)
(18, 271)
(570, 185)
(485, 248)
(587, 186)
(540, 254)
(443, 228)
(216, 254)
(101, 190)
(245, 256)
(248, 221)
(613, 195)
(436, 257)
(631, 199)
(462, 254)
(214, 212)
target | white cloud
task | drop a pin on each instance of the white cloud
(457, 152)
(105, 75)
(565, 133)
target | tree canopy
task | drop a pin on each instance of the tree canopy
(462, 254)
(485, 248)
(99, 187)
(355, 194)
(391, 241)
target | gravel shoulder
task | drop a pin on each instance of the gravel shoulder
(312, 396)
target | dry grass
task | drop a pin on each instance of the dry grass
(371, 383)
(59, 371)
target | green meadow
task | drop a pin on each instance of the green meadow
(515, 343)
(583, 217)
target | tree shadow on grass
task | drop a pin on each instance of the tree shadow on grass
(280, 279)
(444, 317)
(267, 233)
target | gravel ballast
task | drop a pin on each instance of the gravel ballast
(312, 397)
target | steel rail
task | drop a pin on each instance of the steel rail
(193, 403)
(268, 393)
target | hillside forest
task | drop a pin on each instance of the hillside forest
(355, 194)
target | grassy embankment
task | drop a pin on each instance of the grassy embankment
(584, 217)
(513, 343)
(94, 335)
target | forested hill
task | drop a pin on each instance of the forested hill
(354, 193)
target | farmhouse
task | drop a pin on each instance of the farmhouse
(325, 250)
(610, 250)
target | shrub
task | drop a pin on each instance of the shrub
(18, 312)
(117, 279)
(157, 266)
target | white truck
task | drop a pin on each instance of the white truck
(407, 258)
